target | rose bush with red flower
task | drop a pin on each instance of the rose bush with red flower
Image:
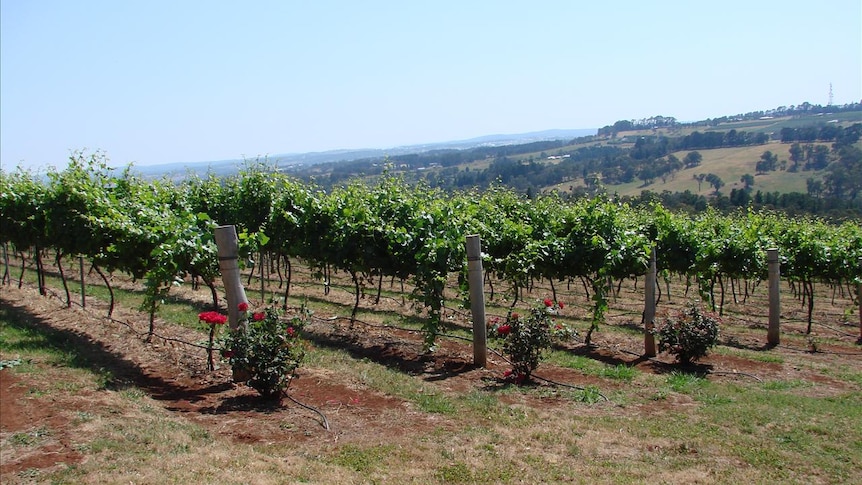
(267, 354)
(213, 319)
(524, 339)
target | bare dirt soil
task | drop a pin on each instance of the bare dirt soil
(175, 375)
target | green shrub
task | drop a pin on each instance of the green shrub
(526, 337)
(267, 354)
(688, 334)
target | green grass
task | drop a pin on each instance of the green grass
(385, 380)
(684, 382)
(173, 308)
(759, 356)
(363, 459)
(591, 366)
(21, 335)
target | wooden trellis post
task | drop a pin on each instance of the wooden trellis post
(7, 277)
(859, 298)
(649, 307)
(83, 287)
(477, 300)
(773, 335)
(262, 279)
(228, 262)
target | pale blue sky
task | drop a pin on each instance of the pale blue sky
(155, 82)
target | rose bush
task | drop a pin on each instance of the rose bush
(213, 319)
(688, 334)
(525, 338)
(267, 355)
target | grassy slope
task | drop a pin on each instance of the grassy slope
(728, 163)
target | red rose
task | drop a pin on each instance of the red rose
(561, 305)
(507, 373)
(290, 331)
(504, 329)
(213, 318)
(549, 302)
(258, 316)
(242, 306)
(515, 316)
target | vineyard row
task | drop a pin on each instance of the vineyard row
(161, 231)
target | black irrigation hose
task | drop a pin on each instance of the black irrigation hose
(169, 339)
(405, 329)
(572, 386)
(129, 325)
(325, 422)
(836, 330)
(809, 351)
(793, 320)
(735, 373)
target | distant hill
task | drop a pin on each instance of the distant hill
(626, 158)
(289, 161)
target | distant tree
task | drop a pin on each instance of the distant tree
(788, 135)
(844, 176)
(715, 181)
(808, 133)
(819, 158)
(731, 138)
(760, 138)
(692, 159)
(767, 163)
(592, 180)
(807, 152)
(795, 153)
(647, 174)
(740, 198)
(828, 132)
(747, 180)
(849, 135)
(700, 178)
(815, 187)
